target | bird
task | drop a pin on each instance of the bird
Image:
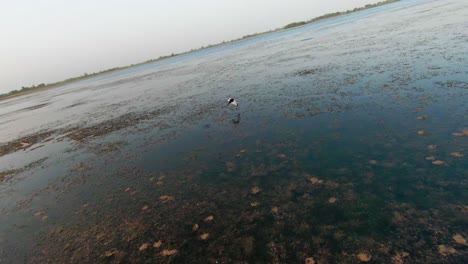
(233, 102)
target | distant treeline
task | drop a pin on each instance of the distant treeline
(86, 75)
(25, 89)
(330, 15)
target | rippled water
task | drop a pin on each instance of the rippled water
(350, 142)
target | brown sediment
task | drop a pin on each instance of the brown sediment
(446, 250)
(111, 252)
(107, 148)
(275, 210)
(144, 247)
(315, 180)
(459, 239)
(109, 126)
(457, 154)
(399, 258)
(24, 142)
(157, 244)
(166, 198)
(364, 257)
(79, 133)
(255, 190)
(254, 204)
(82, 166)
(204, 236)
(422, 132)
(8, 174)
(432, 147)
(169, 252)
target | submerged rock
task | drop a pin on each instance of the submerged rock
(166, 198)
(315, 180)
(432, 147)
(168, 252)
(364, 257)
(144, 246)
(209, 219)
(111, 252)
(157, 244)
(457, 154)
(459, 239)
(205, 236)
(445, 251)
(399, 257)
(254, 204)
(39, 213)
(255, 190)
(275, 210)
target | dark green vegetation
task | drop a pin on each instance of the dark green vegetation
(25, 90)
(295, 24)
(330, 15)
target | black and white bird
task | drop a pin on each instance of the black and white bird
(233, 102)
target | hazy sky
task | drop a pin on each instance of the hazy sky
(45, 41)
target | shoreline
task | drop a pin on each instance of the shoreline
(290, 26)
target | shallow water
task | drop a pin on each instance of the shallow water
(328, 135)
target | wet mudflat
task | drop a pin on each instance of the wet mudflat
(351, 147)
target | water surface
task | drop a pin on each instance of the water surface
(350, 142)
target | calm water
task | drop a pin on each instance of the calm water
(349, 146)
